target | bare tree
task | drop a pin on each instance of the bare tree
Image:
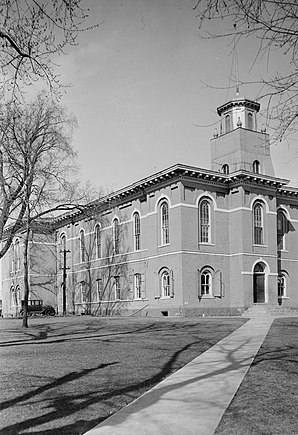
(105, 279)
(274, 25)
(32, 34)
(35, 159)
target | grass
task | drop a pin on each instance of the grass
(267, 399)
(65, 375)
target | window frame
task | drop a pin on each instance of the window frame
(98, 250)
(206, 285)
(281, 289)
(258, 224)
(137, 284)
(137, 230)
(281, 223)
(117, 285)
(164, 223)
(82, 246)
(116, 235)
(228, 124)
(165, 288)
(250, 121)
(256, 166)
(204, 221)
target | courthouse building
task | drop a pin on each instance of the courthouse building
(184, 241)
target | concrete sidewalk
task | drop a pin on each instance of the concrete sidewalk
(193, 400)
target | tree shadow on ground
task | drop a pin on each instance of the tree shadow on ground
(65, 406)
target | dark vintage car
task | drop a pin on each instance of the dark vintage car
(36, 306)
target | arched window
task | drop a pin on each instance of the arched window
(256, 167)
(206, 283)
(165, 284)
(13, 297)
(137, 286)
(98, 240)
(281, 230)
(282, 285)
(225, 169)
(165, 229)
(116, 236)
(117, 287)
(227, 123)
(82, 246)
(258, 224)
(204, 222)
(137, 231)
(250, 121)
(17, 255)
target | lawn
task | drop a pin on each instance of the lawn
(66, 375)
(267, 400)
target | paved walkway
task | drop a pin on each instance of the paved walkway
(193, 400)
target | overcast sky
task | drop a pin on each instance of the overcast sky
(140, 91)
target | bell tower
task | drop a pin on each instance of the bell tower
(239, 145)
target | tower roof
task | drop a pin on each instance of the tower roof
(238, 102)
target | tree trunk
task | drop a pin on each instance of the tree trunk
(26, 279)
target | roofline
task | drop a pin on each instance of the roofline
(239, 102)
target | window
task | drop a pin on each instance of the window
(82, 246)
(117, 287)
(137, 286)
(225, 169)
(116, 236)
(206, 283)
(12, 257)
(258, 224)
(250, 121)
(281, 230)
(98, 240)
(165, 284)
(204, 219)
(13, 297)
(99, 288)
(165, 230)
(282, 286)
(228, 123)
(62, 249)
(83, 293)
(256, 167)
(137, 231)
(17, 255)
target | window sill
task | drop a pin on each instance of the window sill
(162, 246)
(206, 244)
(283, 297)
(256, 245)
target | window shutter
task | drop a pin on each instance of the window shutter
(157, 286)
(143, 286)
(218, 284)
(199, 284)
(172, 289)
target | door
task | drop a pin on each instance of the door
(259, 284)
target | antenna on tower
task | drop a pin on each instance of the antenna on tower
(236, 65)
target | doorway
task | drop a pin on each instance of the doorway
(259, 283)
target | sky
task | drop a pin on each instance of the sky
(145, 88)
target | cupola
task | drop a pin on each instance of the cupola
(239, 112)
(237, 144)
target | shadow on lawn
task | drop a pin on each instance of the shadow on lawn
(46, 335)
(63, 407)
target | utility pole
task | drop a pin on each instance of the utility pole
(65, 268)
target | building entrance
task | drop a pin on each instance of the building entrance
(259, 283)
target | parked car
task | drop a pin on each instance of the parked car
(36, 306)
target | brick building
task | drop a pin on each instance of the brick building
(184, 241)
